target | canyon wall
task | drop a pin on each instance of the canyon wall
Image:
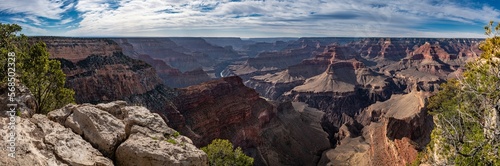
(330, 95)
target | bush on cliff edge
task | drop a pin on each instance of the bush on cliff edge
(220, 153)
(466, 111)
(43, 76)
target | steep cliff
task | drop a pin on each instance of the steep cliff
(87, 70)
(103, 78)
(222, 108)
(76, 49)
(159, 48)
(272, 133)
(395, 131)
(399, 58)
(196, 44)
(348, 93)
(270, 61)
(173, 77)
(177, 66)
(350, 75)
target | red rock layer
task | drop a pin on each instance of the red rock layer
(97, 70)
(76, 49)
(222, 108)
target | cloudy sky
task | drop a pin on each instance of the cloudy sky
(264, 18)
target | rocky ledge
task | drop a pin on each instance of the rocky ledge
(102, 134)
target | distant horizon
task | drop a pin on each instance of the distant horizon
(252, 19)
(246, 38)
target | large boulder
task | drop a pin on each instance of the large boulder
(131, 135)
(42, 142)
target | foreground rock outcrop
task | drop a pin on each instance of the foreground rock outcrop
(42, 142)
(103, 134)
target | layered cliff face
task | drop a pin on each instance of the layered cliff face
(236, 112)
(364, 94)
(196, 44)
(233, 107)
(159, 48)
(173, 77)
(104, 78)
(234, 42)
(91, 69)
(395, 131)
(76, 49)
(294, 136)
(269, 62)
(177, 66)
(270, 132)
(252, 50)
(422, 63)
(344, 80)
(103, 134)
(127, 76)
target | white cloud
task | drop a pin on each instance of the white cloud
(51, 9)
(263, 18)
(65, 21)
(32, 30)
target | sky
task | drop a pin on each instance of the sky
(240, 18)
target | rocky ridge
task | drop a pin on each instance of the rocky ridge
(348, 77)
(395, 131)
(67, 48)
(176, 65)
(346, 80)
(227, 109)
(103, 134)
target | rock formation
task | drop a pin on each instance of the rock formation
(294, 136)
(173, 77)
(159, 48)
(395, 130)
(103, 134)
(43, 142)
(227, 109)
(234, 42)
(350, 75)
(270, 61)
(177, 66)
(337, 101)
(76, 49)
(231, 107)
(196, 44)
(87, 71)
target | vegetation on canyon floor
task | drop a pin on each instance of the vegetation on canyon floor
(41, 75)
(221, 153)
(466, 111)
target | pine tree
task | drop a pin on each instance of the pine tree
(10, 42)
(466, 111)
(43, 76)
(45, 79)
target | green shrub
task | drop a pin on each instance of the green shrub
(221, 153)
(172, 141)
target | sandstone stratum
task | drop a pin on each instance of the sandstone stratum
(303, 101)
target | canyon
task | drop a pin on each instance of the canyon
(303, 101)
